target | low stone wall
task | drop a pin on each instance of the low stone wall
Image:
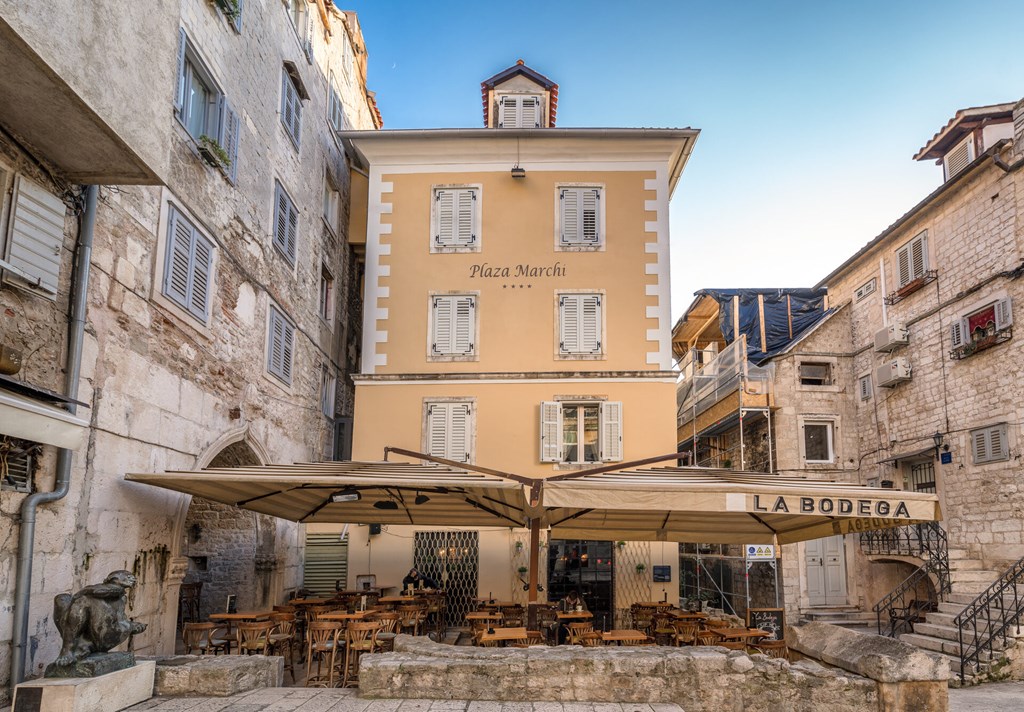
(907, 677)
(216, 675)
(701, 678)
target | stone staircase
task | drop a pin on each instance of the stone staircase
(849, 616)
(937, 633)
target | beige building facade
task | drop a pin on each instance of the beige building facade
(221, 295)
(516, 317)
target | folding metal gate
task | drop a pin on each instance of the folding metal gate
(452, 558)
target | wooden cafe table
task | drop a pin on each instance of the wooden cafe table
(624, 636)
(739, 633)
(484, 616)
(503, 636)
(344, 616)
(655, 604)
(241, 616)
(574, 615)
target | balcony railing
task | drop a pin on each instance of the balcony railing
(703, 385)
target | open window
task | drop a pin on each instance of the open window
(581, 432)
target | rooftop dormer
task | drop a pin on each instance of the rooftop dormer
(968, 134)
(519, 98)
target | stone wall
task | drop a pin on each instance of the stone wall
(702, 678)
(164, 391)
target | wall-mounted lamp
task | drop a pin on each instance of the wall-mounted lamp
(937, 439)
(518, 172)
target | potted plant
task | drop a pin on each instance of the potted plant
(640, 568)
(522, 570)
(228, 7)
(621, 545)
(213, 153)
(519, 546)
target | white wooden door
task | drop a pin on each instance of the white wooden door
(825, 561)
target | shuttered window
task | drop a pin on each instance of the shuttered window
(912, 260)
(580, 213)
(325, 564)
(335, 109)
(280, 345)
(36, 236)
(449, 430)
(453, 325)
(188, 266)
(990, 444)
(959, 157)
(978, 326)
(17, 458)
(579, 323)
(291, 108)
(864, 387)
(455, 217)
(519, 111)
(286, 223)
(231, 127)
(328, 390)
(579, 433)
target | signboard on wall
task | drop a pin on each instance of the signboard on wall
(769, 619)
(662, 574)
(759, 552)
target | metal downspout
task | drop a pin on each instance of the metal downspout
(26, 537)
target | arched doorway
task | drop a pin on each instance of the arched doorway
(230, 551)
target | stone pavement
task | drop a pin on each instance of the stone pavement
(283, 699)
(990, 697)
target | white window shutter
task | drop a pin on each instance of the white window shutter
(230, 127)
(275, 356)
(444, 233)
(179, 91)
(570, 208)
(980, 443)
(464, 336)
(590, 323)
(957, 333)
(1004, 314)
(36, 235)
(569, 323)
(589, 215)
(611, 431)
(441, 313)
(464, 215)
(903, 270)
(293, 230)
(437, 421)
(508, 112)
(550, 431)
(458, 432)
(997, 443)
(918, 258)
(288, 343)
(178, 258)
(529, 112)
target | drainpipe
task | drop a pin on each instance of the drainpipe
(26, 539)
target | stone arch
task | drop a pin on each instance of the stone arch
(230, 550)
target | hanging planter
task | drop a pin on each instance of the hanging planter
(640, 568)
(621, 545)
(522, 570)
(213, 153)
(519, 546)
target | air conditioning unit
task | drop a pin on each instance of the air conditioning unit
(892, 337)
(892, 372)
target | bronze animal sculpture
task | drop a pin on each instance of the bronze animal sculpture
(93, 620)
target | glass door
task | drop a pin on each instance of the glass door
(587, 567)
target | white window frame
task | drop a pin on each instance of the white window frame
(552, 447)
(469, 244)
(983, 449)
(327, 298)
(428, 423)
(831, 424)
(288, 247)
(907, 248)
(865, 289)
(284, 376)
(578, 244)
(432, 321)
(563, 352)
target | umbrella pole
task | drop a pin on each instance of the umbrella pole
(534, 556)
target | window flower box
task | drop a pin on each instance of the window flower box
(985, 342)
(912, 286)
(213, 153)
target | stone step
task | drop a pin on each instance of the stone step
(946, 632)
(966, 565)
(936, 645)
(959, 601)
(973, 576)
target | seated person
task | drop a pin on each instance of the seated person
(571, 602)
(418, 580)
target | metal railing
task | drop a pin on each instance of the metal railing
(990, 616)
(905, 603)
(699, 389)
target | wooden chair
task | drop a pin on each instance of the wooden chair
(631, 643)
(282, 640)
(662, 628)
(591, 639)
(361, 638)
(772, 648)
(203, 638)
(547, 620)
(643, 617)
(410, 619)
(321, 647)
(731, 644)
(576, 631)
(389, 623)
(685, 633)
(189, 598)
(512, 616)
(706, 637)
(254, 638)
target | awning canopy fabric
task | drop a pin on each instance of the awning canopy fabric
(930, 450)
(723, 506)
(303, 493)
(692, 504)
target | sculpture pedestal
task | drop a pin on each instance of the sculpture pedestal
(109, 693)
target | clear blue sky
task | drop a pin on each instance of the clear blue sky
(809, 111)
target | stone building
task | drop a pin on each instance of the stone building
(909, 380)
(221, 294)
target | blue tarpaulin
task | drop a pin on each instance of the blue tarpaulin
(788, 313)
